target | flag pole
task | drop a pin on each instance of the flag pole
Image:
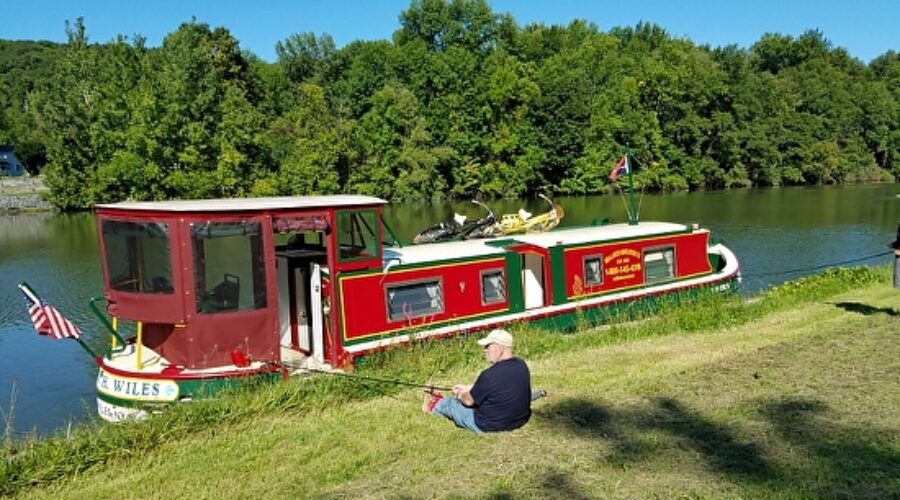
(86, 348)
(632, 210)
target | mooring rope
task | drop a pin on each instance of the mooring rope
(823, 266)
(376, 379)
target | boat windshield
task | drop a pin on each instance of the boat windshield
(357, 235)
(229, 268)
(138, 256)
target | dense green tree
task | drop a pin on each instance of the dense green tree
(312, 146)
(561, 110)
(512, 157)
(357, 72)
(304, 56)
(469, 24)
(25, 67)
(394, 158)
(67, 113)
(202, 79)
(462, 102)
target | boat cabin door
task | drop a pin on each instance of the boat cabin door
(533, 280)
(316, 337)
(300, 306)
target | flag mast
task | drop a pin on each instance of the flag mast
(632, 209)
(86, 348)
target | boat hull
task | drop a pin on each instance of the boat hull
(126, 394)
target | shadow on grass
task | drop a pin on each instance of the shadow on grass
(845, 462)
(866, 309)
(558, 485)
(716, 444)
(839, 461)
(551, 484)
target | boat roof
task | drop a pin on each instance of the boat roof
(247, 204)
(608, 232)
(431, 252)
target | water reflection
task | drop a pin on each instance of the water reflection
(57, 256)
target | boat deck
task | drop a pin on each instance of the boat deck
(152, 362)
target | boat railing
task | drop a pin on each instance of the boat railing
(117, 343)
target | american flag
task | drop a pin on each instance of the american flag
(47, 320)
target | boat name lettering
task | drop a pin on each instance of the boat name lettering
(138, 389)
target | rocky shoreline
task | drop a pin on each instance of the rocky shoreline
(22, 193)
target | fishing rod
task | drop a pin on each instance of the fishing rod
(430, 388)
(376, 379)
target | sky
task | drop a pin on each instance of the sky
(865, 28)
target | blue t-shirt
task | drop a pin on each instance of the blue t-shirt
(502, 395)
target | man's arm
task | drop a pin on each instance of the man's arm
(462, 392)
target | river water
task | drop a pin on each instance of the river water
(778, 235)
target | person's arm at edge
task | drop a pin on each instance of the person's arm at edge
(462, 392)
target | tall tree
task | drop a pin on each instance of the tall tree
(395, 160)
(312, 146)
(67, 113)
(442, 24)
(201, 74)
(304, 56)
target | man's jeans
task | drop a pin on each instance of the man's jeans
(460, 414)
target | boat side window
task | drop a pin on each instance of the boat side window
(357, 235)
(138, 256)
(493, 287)
(593, 270)
(659, 265)
(229, 270)
(413, 300)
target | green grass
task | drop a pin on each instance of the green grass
(790, 395)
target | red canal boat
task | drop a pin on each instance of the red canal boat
(216, 291)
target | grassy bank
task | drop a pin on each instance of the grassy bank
(794, 394)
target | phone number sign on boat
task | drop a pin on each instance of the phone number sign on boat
(623, 265)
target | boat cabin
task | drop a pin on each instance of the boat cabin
(231, 281)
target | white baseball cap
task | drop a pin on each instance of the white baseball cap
(499, 337)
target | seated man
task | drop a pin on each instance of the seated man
(500, 399)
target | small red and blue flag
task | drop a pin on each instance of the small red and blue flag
(621, 167)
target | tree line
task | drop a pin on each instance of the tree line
(461, 103)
